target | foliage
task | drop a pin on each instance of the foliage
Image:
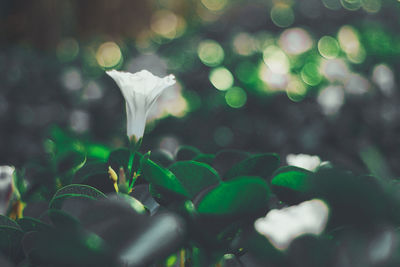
(204, 213)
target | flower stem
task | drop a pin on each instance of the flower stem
(134, 146)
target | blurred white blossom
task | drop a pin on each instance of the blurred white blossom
(304, 161)
(284, 225)
(140, 90)
(6, 187)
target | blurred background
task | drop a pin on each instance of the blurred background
(315, 76)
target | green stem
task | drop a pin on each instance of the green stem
(134, 146)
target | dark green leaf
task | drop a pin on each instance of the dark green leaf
(260, 248)
(88, 170)
(194, 176)
(119, 158)
(164, 178)
(291, 184)
(71, 247)
(132, 202)
(239, 196)
(161, 157)
(57, 202)
(70, 161)
(262, 165)
(75, 191)
(163, 196)
(205, 158)
(186, 153)
(61, 219)
(10, 241)
(81, 190)
(6, 221)
(31, 224)
(225, 159)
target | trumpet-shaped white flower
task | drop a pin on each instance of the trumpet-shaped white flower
(284, 225)
(140, 90)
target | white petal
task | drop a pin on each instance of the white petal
(140, 90)
(282, 226)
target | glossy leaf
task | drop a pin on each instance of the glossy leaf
(194, 176)
(187, 153)
(239, 196)
(164, 178)
(262, 165)
(161, 157)
(291, 184)
(81, 190)
(205, 158)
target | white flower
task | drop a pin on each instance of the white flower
(282, 226)
(6, 187)
(304, 161)
(140, 90)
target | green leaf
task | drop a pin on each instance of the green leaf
(291, 184)
(6, 221)
(31, 224)
(205, 158)
(357, 199)
(71, 247)
(88, 170)
(57, 202)
(81, 190)
(131, 201)
(61, 219)
(239, 196)
(97, 151)
(163, 196)
(186, 153)
(225, 159)
(261, 248)
(262, 165)
(164, 178)
(161, 157)
(194, 176)
(96, 175)
(10, 241)
(70, 161)
(119, 158)
(77, 191)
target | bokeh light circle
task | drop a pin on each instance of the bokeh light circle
(276, 60)
(332, 4)
(108, 55)
(282, 15)
(310, 74)
(371, 6)
(295, 41)
(221, 78)
(214, 5)
(351, 5)
(236, 97)
(210, 53)
(328, 47)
